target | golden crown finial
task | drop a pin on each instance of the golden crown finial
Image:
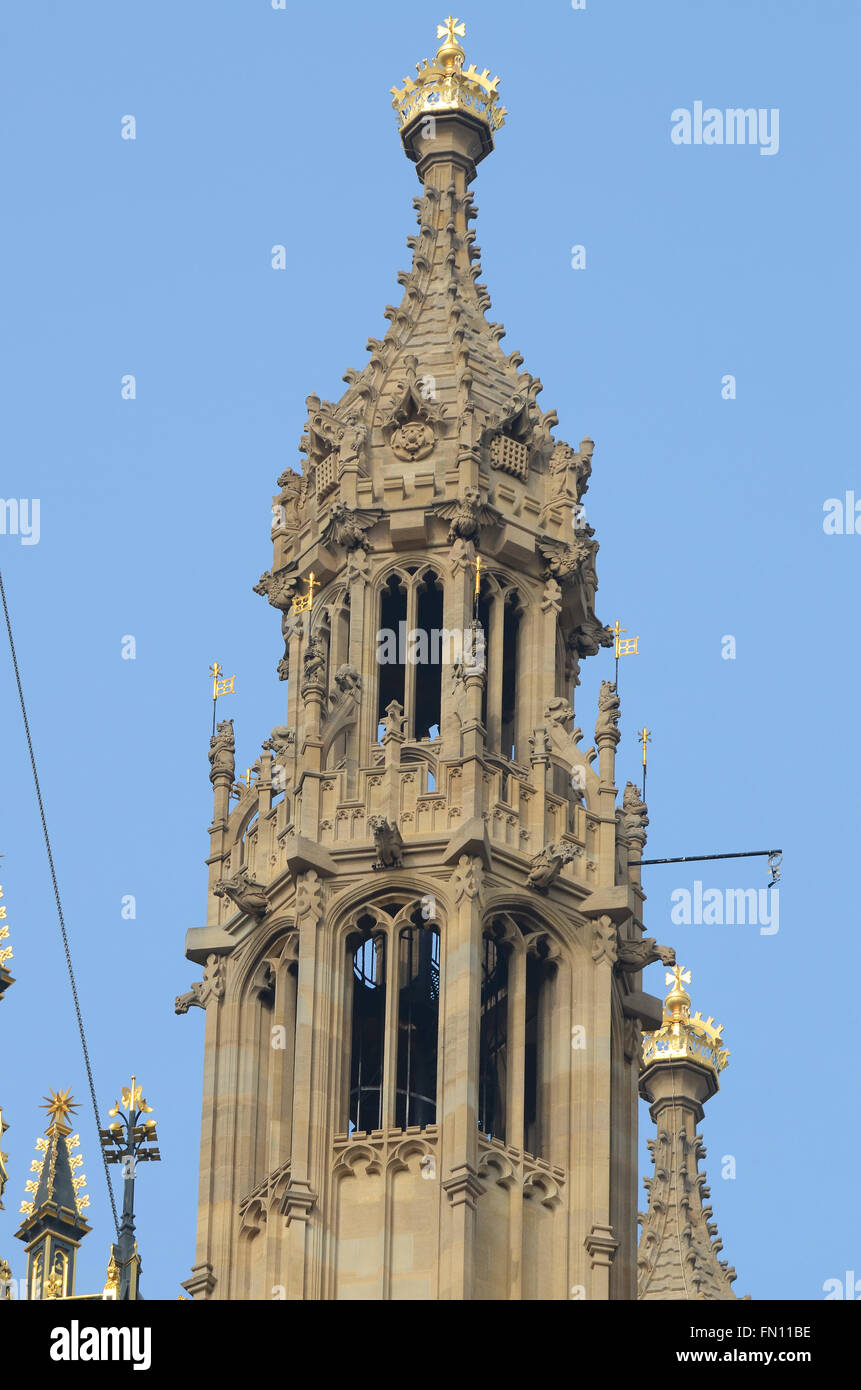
(683, 1036)
(445, 85)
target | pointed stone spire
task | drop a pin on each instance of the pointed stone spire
(679, 1244)
(54, 1224)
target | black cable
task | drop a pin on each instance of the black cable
(59, 904)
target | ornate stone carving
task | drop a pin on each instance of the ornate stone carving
(222, 751)
(351, 441)
(309, 896)
(347, 527)
(248, 895)
(358, 566)
(348, 680)
(636, 955)
(280, 740)
(388, 841)
(279, 588)
(551, 599)
(313, 661)
(604, 941)
(467, 515)
(468, 879)
(560, 713)
(547, 865)
(609, 709)
(590, 637)
(210, 987)
(633, 817)
(413, 441)
(566, 562)
(393, 721)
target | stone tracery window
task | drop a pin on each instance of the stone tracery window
(418, 1025)
(394, 1018)
(368, 1030)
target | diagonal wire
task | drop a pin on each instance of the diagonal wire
(59, 904)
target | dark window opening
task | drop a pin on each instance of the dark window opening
(368, 1033)
(493, 1039)
(510, 626)
(418, 1026)
(429, 674)
(482, 613)
(390, 646)
(531, 1126)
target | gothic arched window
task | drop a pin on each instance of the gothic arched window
(427, 702)
(367, 1051)
(418, 1025)
(493, 1039)
(391, 655)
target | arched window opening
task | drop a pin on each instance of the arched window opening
(511, 623)
(368, 1029)
(391, 645)
(493, 1039)
(418, 1025)
(532, 1057)
(482, 613)
(428, 647)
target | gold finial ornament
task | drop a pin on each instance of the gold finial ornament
(450, 56)
(683, 1036)
(112, 1279)
(59, 1105)
(445, 85)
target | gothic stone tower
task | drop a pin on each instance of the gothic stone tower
(423, 945)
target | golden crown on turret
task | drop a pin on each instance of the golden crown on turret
(444, 85)
(681, 1035)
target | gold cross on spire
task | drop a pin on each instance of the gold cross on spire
(677, 977)
(451, 30)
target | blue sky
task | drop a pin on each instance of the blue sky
(152, 257)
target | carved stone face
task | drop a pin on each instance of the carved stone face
(412, 441)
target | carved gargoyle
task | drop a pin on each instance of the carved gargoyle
(241, 889)
(566, 561)
(347, 527)
(467, 515)
(590, 637)
(280, 740)
(388, 841)
(192, 999)
(636, 955)
(280, 588)
(547, 865)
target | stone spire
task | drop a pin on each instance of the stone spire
(679, 1245)
(54, 1223)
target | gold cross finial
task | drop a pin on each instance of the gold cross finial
(247, 778)
(451, 30)
(677, 977)
(645, 737)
